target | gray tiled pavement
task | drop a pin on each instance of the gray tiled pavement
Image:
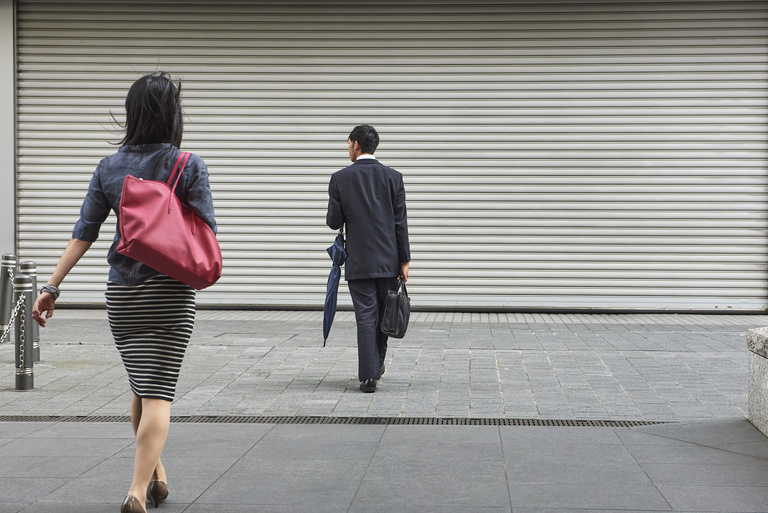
(617, 367)
(690, 370)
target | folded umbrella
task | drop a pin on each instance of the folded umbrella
(338, 255)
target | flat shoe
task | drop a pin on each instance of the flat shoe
(368, 386)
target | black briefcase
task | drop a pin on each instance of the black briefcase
(397, 312)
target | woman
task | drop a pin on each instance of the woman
(150, 314)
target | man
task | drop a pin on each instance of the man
(369, 198)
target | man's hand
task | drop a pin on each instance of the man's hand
(44, 304)
(404, 267)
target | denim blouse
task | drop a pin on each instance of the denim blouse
(150, 162)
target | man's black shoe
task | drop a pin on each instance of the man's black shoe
(383, 370)
(368, 386)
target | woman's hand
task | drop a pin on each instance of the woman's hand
(45, 301)
(44, 304)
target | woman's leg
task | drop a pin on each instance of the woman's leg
(135, 412)
(151, 433)
(136, 408)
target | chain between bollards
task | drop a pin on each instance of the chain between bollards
(14, 312)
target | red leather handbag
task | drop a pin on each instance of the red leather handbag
(158, 230)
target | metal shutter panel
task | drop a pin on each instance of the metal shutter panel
(556, 154)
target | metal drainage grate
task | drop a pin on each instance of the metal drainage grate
(388, 421)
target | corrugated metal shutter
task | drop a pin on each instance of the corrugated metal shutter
(556, 153)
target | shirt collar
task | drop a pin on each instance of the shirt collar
(361, 157)
(143, 148)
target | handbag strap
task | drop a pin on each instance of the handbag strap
(183, 156)
(181, 163)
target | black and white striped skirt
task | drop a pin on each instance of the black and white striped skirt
(152, 324)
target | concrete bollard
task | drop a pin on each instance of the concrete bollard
(757, 393)
(25, 378)
(30, 269)
(6, 290)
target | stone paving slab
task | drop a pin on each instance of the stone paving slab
(652, 367)
(707, 466)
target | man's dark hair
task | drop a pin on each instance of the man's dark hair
(153, 111)
(366, 137)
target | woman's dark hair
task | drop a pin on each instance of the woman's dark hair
(366, 136)
(153, 111)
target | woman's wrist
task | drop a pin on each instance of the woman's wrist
(51, 289)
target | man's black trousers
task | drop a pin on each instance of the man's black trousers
(368, 299)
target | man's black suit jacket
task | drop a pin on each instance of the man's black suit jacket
(369, 199)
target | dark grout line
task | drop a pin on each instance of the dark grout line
(304, 419)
